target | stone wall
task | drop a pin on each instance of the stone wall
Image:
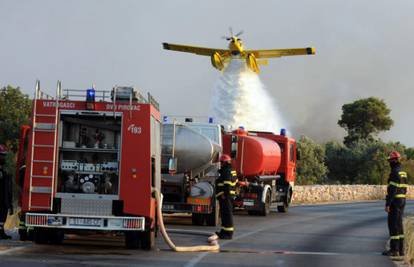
(339, 193)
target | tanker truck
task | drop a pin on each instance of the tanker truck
(189, 165)
(266, 169)
(265, 163)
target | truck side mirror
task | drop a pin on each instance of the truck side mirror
(172, 165)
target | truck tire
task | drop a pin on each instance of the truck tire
(23, 235)
(213, 218)
(266, 206)
(197, 219)
(284, 208)
(252, 212)
(40, 236)
(147, 239)
(56, 236)
(132, 239)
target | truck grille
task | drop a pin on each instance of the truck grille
(101, 207)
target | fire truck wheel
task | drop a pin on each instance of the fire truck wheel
(23, 235)
(40, 236)
(197, 219)
(266, 206)
(252, 212)
(132, 239)
(284, 208)
(147, 239)
(56, 236)
(213, 218)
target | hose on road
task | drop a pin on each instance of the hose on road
(212, 246)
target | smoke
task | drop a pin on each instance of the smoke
(241, 99)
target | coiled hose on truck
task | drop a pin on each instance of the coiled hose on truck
(212, 246)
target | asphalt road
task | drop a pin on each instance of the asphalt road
(321, 235)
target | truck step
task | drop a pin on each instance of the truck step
(42, 176)
(46, 115)
(40, 207)
(44, 126)
(44, 146)
(42, 161)
(41, 189)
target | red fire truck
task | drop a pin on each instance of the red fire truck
(92, 159)
(266, 167)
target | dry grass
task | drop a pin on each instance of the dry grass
(409, 239)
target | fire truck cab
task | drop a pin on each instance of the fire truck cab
(92, 160)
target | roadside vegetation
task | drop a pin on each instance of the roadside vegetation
(15, 109)
(362, 157)
(409, 239)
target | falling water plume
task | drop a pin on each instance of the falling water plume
(241, 99)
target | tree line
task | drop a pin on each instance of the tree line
(362, 157)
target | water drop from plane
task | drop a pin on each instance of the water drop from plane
(241, 99)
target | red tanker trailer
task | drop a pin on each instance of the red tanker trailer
(266, 168)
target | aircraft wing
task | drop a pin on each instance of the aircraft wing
(281, 52)
(203, 51)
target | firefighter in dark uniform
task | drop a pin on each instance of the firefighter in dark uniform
(225, 188)
(5, 192)
(394, 206)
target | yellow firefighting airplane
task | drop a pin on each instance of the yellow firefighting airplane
(220, 56)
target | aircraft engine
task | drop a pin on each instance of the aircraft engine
(217, 61)
(252, 63)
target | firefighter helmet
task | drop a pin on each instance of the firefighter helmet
(225, 158)
(3, 150)
(394, 155)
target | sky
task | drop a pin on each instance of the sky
(363, 48)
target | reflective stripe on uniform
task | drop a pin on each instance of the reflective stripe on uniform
(394, 237)
(400, 196)
(233, 172)
(228, 229)
(219, 194)
(401, 236)
(403, 174)
(232, 192)
(220, 184)
(231, 183)
(398, 185)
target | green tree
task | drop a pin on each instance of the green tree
(362, 162)
(15, 109)
(363, 119)
(311, 168)
(409, 152)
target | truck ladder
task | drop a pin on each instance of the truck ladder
(43, 169)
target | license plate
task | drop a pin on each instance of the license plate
(168, 207)
(248, 203)
(56, 221)
(85, 221)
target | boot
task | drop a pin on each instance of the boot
(3, 234)
(401, 247)
(224, 235)
(391, 253)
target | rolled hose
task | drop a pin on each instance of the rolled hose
(212, 246)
